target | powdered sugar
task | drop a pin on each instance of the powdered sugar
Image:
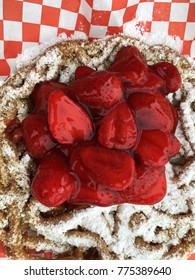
(30, 55)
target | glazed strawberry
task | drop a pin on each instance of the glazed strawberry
(156, 194)
(99, 196)
(97, 166)
(144, 179)
(118, 128)
(152, 110)
(131, 65)
(41, 93)
(83, 71)
(174, 145)
(54, 182)
(154, 83)
(170, 74)
(68, 121)
(148, 187)
(37, 136)
(127, 52)
(156, 147)
(100, 91)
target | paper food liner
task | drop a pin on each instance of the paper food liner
(27, 23)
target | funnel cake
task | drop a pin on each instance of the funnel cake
(165, 230)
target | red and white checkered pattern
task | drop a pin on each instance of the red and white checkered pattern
(28, 22)
(24, 23)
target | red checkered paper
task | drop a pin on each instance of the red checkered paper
(29, 22)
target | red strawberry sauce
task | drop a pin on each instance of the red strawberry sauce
(105, 138)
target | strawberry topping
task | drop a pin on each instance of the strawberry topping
(156, 147)
(152, 84)
(37, 136)
(170, 75)
(83, 71)
(101, 166)
(68, 121)
(131, 65)
(54, 182)
(105, 138)
(118, 128)
(99, 195)
(152, 110)
(149, 186)
(42, 92)
(100, 91)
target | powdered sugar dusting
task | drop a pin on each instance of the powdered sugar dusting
(30, 55)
